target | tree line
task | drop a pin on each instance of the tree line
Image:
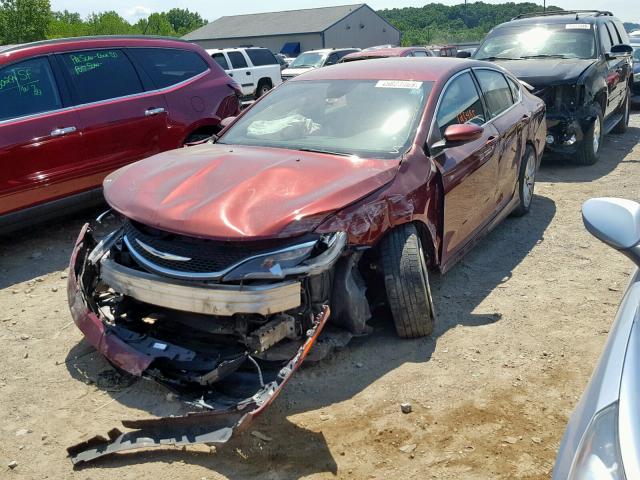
(438, 23)
(30, 20)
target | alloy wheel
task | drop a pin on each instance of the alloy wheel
(596, 135)
(529, 180)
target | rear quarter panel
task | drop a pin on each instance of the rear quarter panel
(199, 102)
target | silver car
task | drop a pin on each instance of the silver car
(602, 440)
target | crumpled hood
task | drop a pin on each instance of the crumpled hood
(543, 72)
(239, 192)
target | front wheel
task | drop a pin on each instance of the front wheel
(589, 149)
(407, 282)
(526, 181)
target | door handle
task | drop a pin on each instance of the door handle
(248, 73)
(526, 116)
(58, 132)
(491, 140)
(230, 74)
(154, 111)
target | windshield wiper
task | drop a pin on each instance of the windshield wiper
(498, 58)
(547, 56)
(316, 150)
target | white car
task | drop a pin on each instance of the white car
(255, 69)
(315, 59)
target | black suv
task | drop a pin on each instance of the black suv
(579, 62)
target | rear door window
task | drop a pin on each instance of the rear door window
(261, 56)
(97, 75)
(221, 60)
(496, 91)
(237, 60)
(168, 66)
(460, 103)
(27, 88)
(419, 53)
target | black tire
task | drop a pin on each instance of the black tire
(263, 87)
(589, 149)
(623, 124)
(407, 282)
(526, 181)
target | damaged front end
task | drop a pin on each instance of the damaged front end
(568, 116)
(223, 324)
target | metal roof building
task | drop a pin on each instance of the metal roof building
(325, 27)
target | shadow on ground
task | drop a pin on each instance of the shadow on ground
(41, 249)
(295, 451)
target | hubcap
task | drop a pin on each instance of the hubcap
(529, 180)
(596, 135)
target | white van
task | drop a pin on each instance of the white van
(255, 69)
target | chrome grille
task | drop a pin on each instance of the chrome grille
(195, 255)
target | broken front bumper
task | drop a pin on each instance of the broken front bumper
(136, 353)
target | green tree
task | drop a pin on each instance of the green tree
(24, 20)
(438, 23)
(156, 24)
(108, 23)
(66, 24)
(183, 21)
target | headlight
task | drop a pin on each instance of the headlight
(294, 260)
(598, 456)
(271, 264)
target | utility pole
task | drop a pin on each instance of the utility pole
(544, 7)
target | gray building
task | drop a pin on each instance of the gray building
(309, 29)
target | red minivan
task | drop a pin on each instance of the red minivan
(73, 110)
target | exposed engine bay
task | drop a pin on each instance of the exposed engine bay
(223, 326)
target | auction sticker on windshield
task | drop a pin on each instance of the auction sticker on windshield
(398, 84)
(577, 26)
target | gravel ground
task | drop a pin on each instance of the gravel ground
(521, 323)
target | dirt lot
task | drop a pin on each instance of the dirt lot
(521, 323)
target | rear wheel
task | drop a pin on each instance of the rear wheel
(589, 148)
(407, 282)
(263, 87)
(526, 181)
(622, 125)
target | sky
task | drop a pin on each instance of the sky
(133, 10)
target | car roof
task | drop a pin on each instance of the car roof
(395, 68)
(560, 18)
(9, 52)
(384, 52)
(208, 50)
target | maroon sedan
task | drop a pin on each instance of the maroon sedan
(72, 111)
(227, 257)
(369, 54)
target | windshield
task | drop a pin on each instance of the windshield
(539, 41)
(368, 118)
(308, 60)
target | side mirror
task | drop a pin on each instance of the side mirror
(463, 54)
(456, 135)
(616, 222)
(225, 122)
(462, 133)
(620, 51)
